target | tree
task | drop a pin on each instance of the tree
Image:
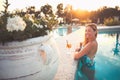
(68, 14)
(46, 9)
(60, 11)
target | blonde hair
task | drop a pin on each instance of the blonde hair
(94, 27)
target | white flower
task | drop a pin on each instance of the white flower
(60, 20)
(15, 24)
(46, 26)
(42, 15)
(49, 18)
(40, 26)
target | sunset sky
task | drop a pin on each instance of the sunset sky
(81, 4)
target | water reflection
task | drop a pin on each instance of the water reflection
(107, 64)
(116, 50)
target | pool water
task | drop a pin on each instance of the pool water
(62, 31)
(108, 57)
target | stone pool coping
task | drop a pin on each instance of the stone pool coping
(109, 29)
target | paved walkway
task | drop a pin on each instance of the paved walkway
(67, 65)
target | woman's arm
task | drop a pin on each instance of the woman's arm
(86, 50)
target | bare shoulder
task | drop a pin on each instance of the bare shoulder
(92, 44)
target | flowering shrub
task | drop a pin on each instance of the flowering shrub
(23, 25)
(15, 24)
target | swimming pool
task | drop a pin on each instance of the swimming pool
(62, 31)
(108, 56)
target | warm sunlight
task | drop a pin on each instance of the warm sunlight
(85, 6)
(77, 4)
(94, 4)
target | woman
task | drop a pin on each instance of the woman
(85, 56)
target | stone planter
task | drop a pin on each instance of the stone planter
(32, 59)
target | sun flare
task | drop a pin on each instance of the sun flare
(76, 4)
(93, 4)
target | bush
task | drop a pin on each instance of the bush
(111, 22)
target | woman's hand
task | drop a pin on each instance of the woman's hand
(76, 56)
(77, 49)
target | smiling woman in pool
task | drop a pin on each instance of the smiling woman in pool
(85, 56)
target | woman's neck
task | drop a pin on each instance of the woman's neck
(91, 39)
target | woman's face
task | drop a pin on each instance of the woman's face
(89, 33)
